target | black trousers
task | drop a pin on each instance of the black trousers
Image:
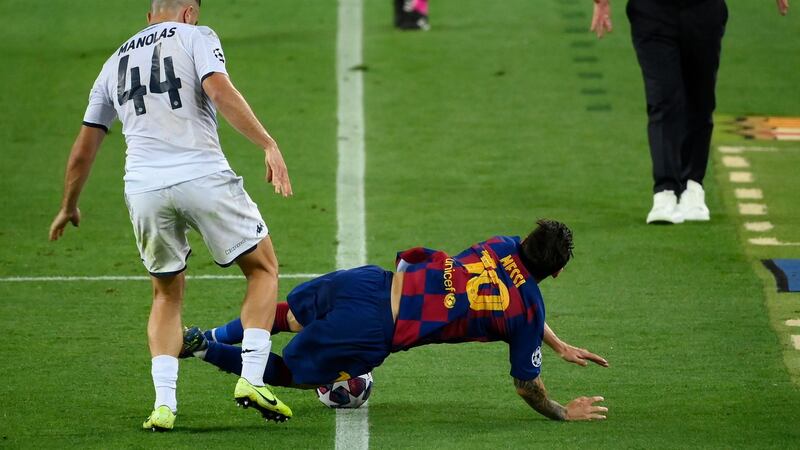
(678, 46)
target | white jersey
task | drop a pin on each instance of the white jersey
(153, 83)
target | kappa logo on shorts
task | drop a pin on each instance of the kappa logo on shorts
(259, 228)
(218, 54)
(536, 358)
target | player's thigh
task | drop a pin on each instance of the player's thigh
(160, 231)
(363, 289)
(261, 259)
(218, 207)
(353, 337)
(332, 349)
(312, 299)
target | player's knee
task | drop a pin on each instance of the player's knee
(259, 263)
(266, 269)
(168, 289)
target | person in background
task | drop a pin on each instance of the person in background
(411, 15)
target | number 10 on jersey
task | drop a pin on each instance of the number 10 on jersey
(138, 90)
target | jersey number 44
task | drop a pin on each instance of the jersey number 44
(138, 90)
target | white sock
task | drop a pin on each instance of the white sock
(255, 352)
(165, 379)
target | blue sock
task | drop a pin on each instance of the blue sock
(229, 358)
(226, 357)
(230, 333)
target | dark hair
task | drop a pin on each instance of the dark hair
(547, 248)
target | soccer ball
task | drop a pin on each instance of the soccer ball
(350, 393)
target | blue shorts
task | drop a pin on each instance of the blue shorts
(347, 325)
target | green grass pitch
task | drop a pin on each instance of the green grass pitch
(505, 112)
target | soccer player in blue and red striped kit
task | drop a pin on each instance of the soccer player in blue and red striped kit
(349, 321)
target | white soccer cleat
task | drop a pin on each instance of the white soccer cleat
(692, 205)
(665, 208)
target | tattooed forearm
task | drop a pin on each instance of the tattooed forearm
(535, 395)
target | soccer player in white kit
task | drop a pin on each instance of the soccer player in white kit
(164, 84)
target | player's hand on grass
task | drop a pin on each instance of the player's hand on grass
(584, 408)
(580, 356)
(601, 18)
(783, 6)
(277, 174)
(60, 222)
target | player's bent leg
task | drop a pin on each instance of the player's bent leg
(233, 331)
(230, 333)
(228, 358)
(330, 348)
(165, 338)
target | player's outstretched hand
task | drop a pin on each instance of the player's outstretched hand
(601, 18)
(277, 174)
(783, 7)
(580, 356)
(583, 408)
(60, 222)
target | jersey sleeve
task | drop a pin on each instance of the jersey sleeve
(207, 53)
(525, 353)
(418, 255)
(100, 112)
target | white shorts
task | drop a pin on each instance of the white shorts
(216, 206)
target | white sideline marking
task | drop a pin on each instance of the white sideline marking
(143, 277)
(796, 341)
(351, 250)
(737, 162)
(739, 149)
(758, 226)
(741, 177)
(352, 426)
(793, 323)
(749, 194)
(787, 134)
(771, 241)
(752, 209)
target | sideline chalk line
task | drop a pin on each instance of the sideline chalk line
(352, 426)
(70, 278)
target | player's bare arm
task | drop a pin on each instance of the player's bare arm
(233, 106)
(79, 165)
(783, 7)
(582, 408)
(535, 395)
(570, 353)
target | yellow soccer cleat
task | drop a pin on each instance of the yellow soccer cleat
(161, 419)
(262, 399)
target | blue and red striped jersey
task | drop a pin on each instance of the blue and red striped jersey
(482, 294)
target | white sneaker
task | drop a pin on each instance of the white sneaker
(693, 203)
(665, 208)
